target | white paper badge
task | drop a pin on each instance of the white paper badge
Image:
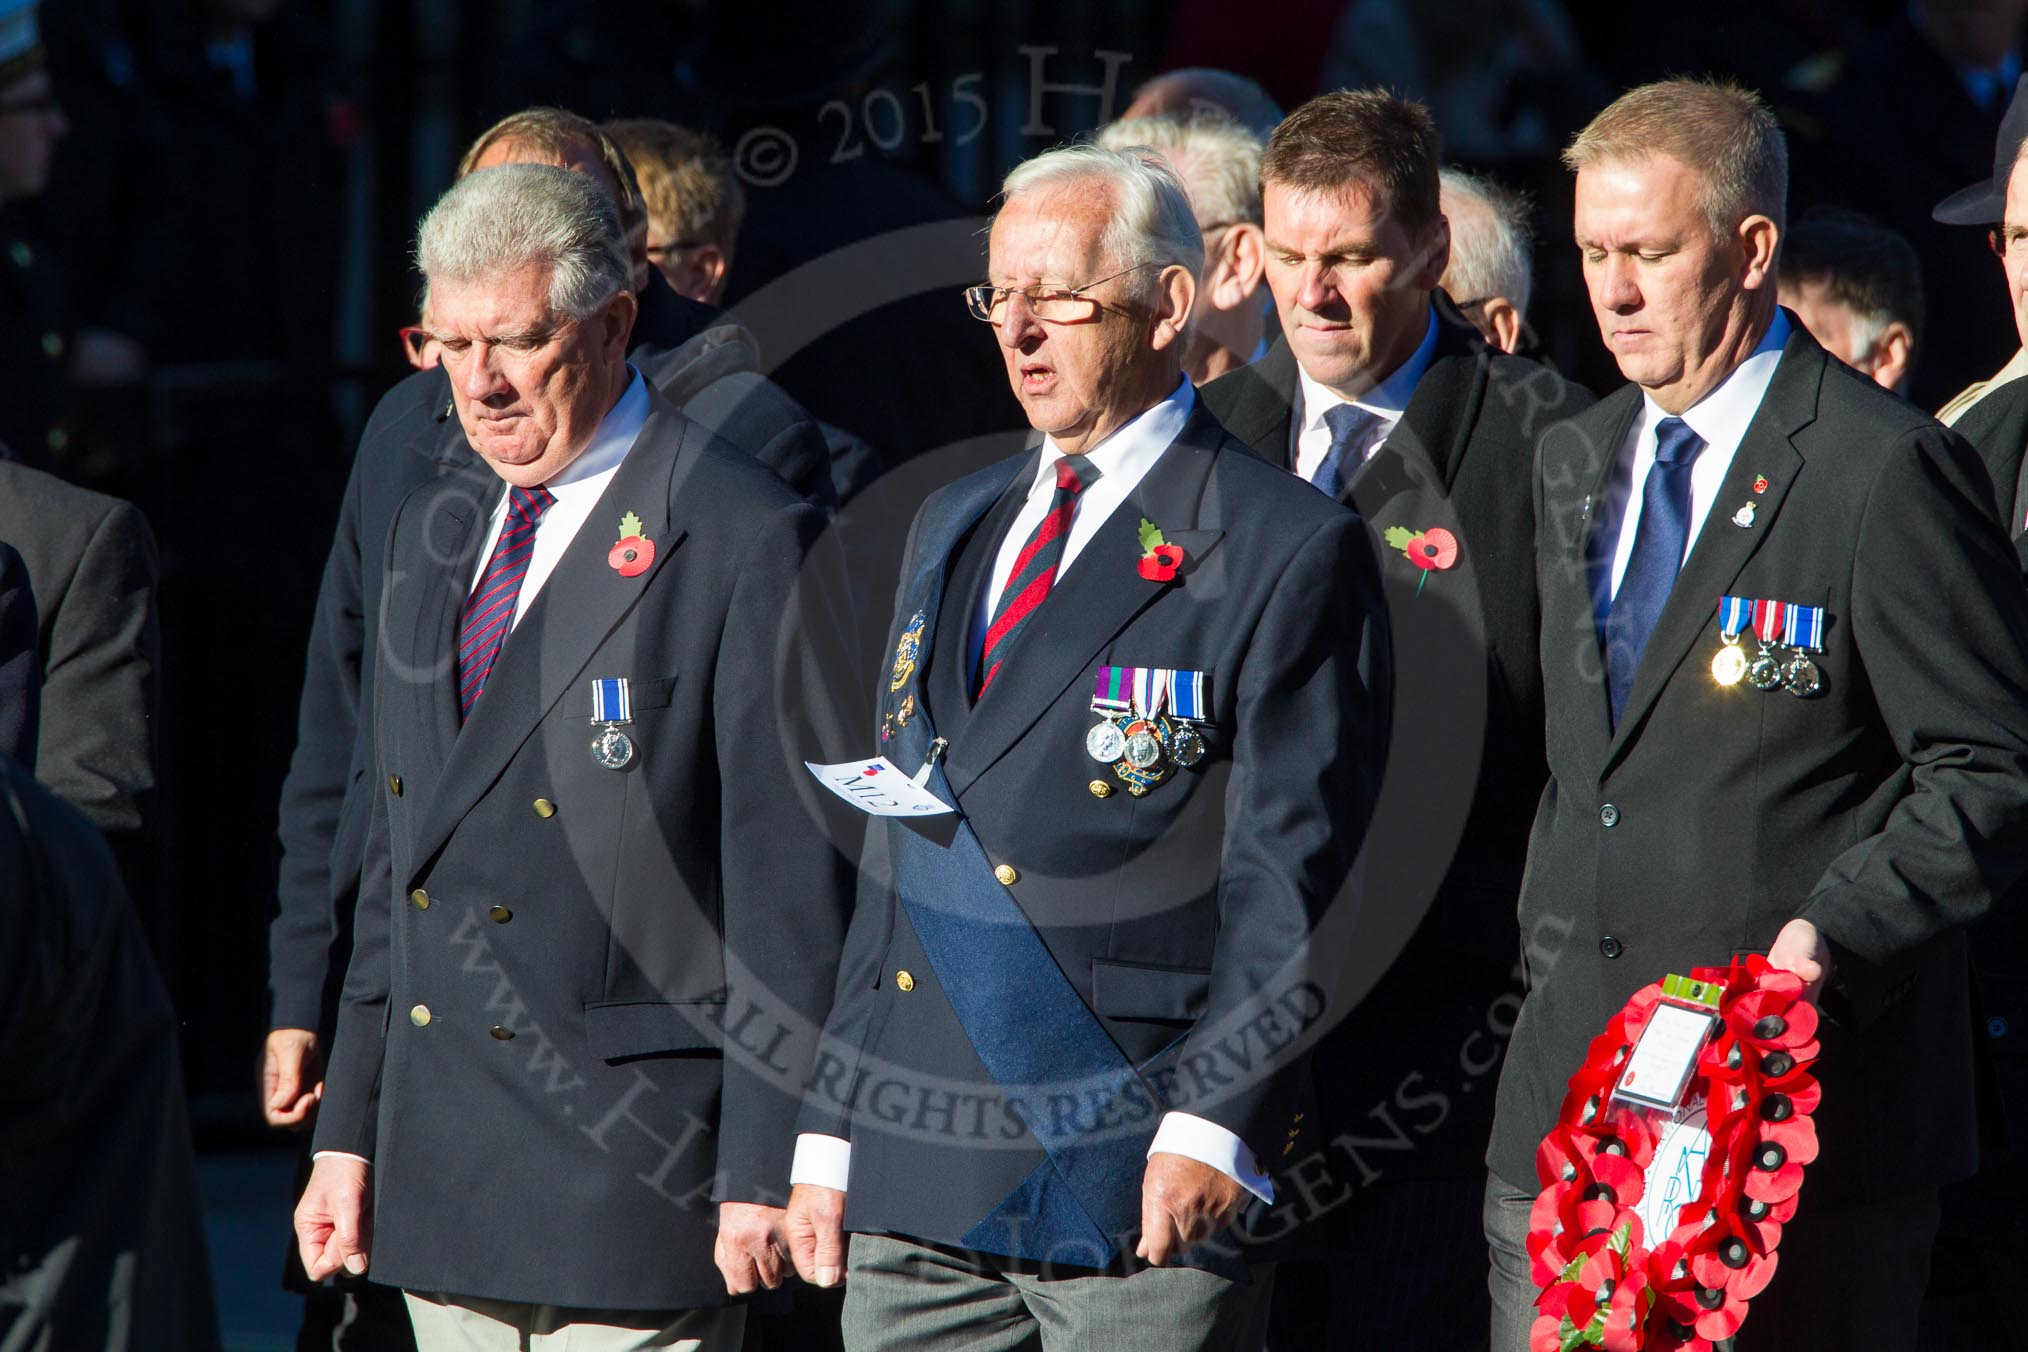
(878, 788)
(1665, 1056)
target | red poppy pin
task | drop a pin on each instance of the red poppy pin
(632, 555)
(1159, 558)
(1760, 484)
(1432, 550)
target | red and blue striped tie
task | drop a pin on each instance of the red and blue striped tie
(489, 612)
(1035, 569)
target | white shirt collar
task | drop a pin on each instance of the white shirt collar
(1388, 399)
(1132, 449)
(610, 442)
(1721, 416)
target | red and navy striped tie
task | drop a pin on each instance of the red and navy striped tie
(489, 612)
(1035, 569)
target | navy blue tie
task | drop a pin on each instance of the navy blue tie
(1659, 544)
(1352, 430)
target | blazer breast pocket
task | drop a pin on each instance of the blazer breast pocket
(654, 694)
(626, 1030)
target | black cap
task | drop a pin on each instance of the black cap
(1986, 203)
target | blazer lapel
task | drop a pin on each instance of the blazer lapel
(948, 516)
(1261, 417)
(579, 606)
(1100, 594)
(1428, 443)
(423, 605)
(1723, 547)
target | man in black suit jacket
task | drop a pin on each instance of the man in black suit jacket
(1072, 1016)
(597, 939)
(1447, 429)
(1846, 819)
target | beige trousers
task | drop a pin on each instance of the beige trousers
(468, 1324)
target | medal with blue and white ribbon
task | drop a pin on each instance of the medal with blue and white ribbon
(1112, 699)
(1735, 613)
(1186, 707)
(612, 706)
(1803, 631)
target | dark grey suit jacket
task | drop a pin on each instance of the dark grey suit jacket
(581, 1000)
(91, 560)
(20, 669)
(1889, 809)
(1466, 759)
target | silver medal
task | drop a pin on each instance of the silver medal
(612, 748)
(1144, 748)
(1800, 675)
(1765, 672)
(1105, 743)
(1186, 748)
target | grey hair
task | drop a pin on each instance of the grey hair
(1491, 250)
(1151, 223)
(1217, 159)
(495, 221)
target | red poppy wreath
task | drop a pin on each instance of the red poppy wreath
(1654, 1231)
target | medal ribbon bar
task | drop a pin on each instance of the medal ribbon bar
(1112, 691)
(1767, 620)
(1734, 614)
(1186, 695)
(612, 701)
(1805, 627)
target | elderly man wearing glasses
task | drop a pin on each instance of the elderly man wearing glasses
(1147, 672)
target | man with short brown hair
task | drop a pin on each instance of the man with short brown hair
(1386, 398)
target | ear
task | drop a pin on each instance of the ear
(1501, 323)
(1432, 254)
(1893, 356)
(616, 325)
(1175, 293)
(700, 275)
(1757, 237)
(1233, 275)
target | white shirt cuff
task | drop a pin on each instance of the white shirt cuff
(1208, 1143)
(824, 1161)
(316, 1155)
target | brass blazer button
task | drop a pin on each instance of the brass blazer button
(394, 785)
(903, 982)
(420, 898)
(544, 808)
(420, 1016)
(1006, 874)
(499, 915)
(502, 1034)
(1100, 789)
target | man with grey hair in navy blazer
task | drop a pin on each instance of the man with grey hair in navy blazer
(1149, 673)
(593, 917)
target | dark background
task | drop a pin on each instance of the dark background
(251, 231)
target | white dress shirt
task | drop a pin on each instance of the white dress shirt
(1385, 401)
(1721, 419)
(576, 491)
(1123, 460)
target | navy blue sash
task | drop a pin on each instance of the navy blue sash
(1024, 1019)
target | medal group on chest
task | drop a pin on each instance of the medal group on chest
(1776, 624)
(1148, 723)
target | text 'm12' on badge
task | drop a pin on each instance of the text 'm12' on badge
(879, 788)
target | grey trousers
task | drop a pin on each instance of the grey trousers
(903, 1295)
(469, 1324)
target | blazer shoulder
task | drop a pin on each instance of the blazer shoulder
(1268, 493)
(739, 487)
